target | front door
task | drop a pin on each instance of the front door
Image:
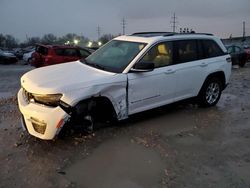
(147, 90)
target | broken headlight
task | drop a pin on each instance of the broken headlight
(49, 100)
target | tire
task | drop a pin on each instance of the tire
(210, 92)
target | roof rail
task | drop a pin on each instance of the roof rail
(165, 34)
(152, 34)
(210, 34)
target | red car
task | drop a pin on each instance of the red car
(45, 55)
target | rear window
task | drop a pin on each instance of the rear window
(42, 50)
(211, 49)
(84, 53)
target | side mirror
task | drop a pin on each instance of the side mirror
(143, 67)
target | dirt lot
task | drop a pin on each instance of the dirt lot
(175, 146)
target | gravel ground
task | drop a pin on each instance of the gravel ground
(179, 145)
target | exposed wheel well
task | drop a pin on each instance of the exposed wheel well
(101, 107)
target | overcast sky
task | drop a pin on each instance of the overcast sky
(37, 17)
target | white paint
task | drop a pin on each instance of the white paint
(145, 90)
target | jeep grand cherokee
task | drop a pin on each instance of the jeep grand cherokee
(130, 74)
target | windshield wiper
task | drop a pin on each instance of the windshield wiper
(93, 64)
(98, 66)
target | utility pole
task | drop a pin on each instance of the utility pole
(244, 31)
(98, 32)
(123, 26)
(174, 23)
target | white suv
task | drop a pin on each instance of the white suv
(130, 74)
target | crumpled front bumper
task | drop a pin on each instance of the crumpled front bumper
(41, 121)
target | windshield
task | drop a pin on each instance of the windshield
(114, 56)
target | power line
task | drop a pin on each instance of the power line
(244, 29)
(99, 31)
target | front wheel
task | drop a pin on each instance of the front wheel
(210, 92)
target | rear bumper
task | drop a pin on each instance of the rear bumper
(39, 120)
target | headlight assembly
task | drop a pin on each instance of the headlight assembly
(49, 100)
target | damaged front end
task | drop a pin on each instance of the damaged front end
(85, 109)
(91, 114)
(40, 119)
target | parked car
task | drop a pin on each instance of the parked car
(238, 55)
(18, 53)
(7, 58)
(53, 54)
(130, 74)
(27, 57)
(247, 50)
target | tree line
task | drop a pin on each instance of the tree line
(9, 41)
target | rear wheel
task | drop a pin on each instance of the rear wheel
(210, 92)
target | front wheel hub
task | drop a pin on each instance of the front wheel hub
(89, 123)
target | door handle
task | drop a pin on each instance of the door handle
(170, 71)
(203, 64)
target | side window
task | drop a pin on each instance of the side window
(59, 51)
(230, 50)
(211, 49)
(84, 53)
(186, 51)
(161, 55)
(237, 49)
(70, 52)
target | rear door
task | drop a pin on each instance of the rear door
(190, 69)
(195, 58)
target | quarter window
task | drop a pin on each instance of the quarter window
(211, 49)
(161, 55)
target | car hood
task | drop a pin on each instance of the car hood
(62, 78)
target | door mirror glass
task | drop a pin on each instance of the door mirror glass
(143, 67)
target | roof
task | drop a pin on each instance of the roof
(152, 37)
(60, 46)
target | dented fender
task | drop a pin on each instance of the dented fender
(115, 90)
